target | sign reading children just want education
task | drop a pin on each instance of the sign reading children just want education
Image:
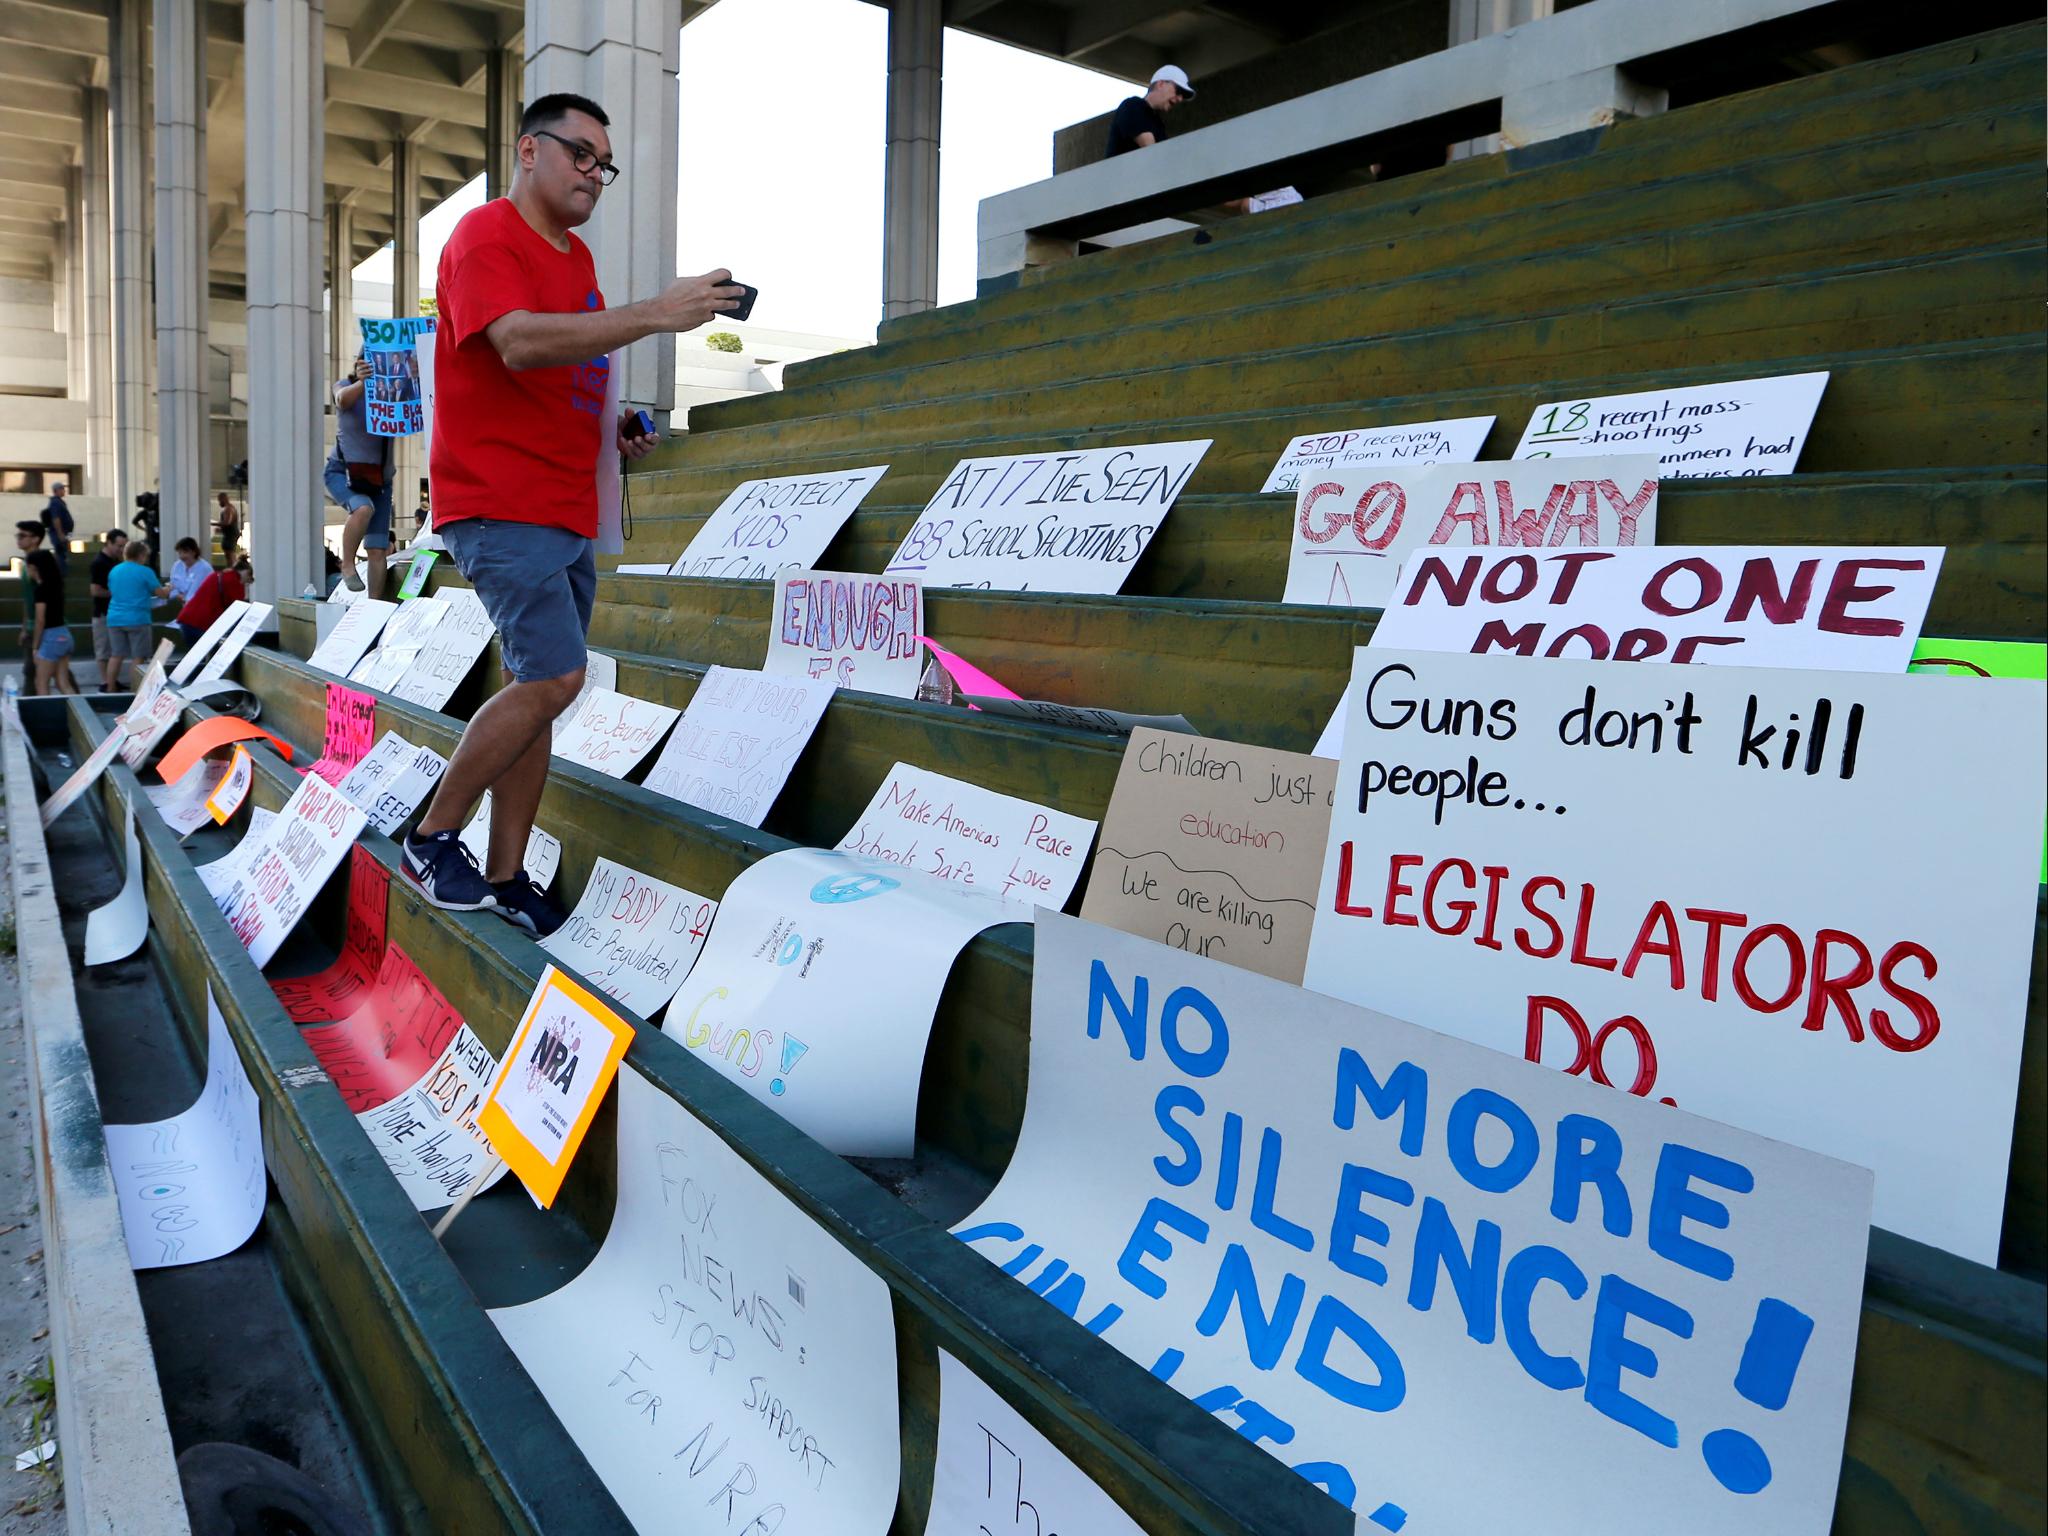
(1457, 1292)
(1047, 522)
(1725, 887)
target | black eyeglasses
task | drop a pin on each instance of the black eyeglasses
(584, 160)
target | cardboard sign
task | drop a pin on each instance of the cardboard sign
(1047, 522)
(233, 788)
(1014, 850)
(417, 570)
(84, 776)
(210, 735)
(816, 989)
(855, 631)
(1375, 1242)
(726, 1367)
(428, 1135)
(351, 728)
(543, 854)
(1844, 610)
(1352, 531)
(191, 1187)
(392, 779)
(556, 1069)
(1318, 455)
(633, 937)
(264, 903)
(352, 635)
(253, 618)
(115, 931)
(1737, 894)
(600, 671)
(991, 1467)
(405, 635)
(397, 1031)
(393, 402)
(212, 636)
(183, 805)
(339, 990)
(1743, 429)
(1078, 717)
(451, 648)
(612, 732)
(738, 740)
(1984, 658)
(1216, 848)
(783, 524)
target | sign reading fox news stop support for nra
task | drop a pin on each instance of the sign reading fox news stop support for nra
(1317, 455)
(1459, 1293)
(1845, 610)
(1047, 522)
(553, 1076)
(1736, 889)
(1707, 432)
(784, 524)
(1353, 530)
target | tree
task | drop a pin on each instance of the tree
(724, 341)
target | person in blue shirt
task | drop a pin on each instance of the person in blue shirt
(132, 591)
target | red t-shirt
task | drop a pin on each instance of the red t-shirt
(210, 599)
(518, 446)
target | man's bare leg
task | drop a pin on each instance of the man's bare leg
(352, 533)
(515, 801)
(498, 738)
(377, 559)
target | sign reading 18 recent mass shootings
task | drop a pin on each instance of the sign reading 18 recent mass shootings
(1742, 429)
(1047, 522)
(1459, 1293)
(1734, 888)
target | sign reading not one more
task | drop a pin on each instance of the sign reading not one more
(1743, 429)
(1047, 522)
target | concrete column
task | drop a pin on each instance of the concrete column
(624, 56)
(343, 335)
(408, 454)
(128, 173)
(69, 270)
(101, 478)
(910, 197)
(285, 83)
(183, 400)
(502, 71)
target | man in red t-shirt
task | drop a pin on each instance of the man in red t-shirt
(521, 361)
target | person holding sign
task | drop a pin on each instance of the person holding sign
(522, 365)
(358, 479)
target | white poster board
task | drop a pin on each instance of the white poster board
(723, 1363)
(1012, 849)
(1077, 717)
(266, 896)
(543, 854)
(600, 670)
(1351, 531)
(612, 732)
(855, 631)
(1047, 522)
(816, 989)
(352, 636)
(85, 775)
(253, 618)
(450, 649)
(428, 1135)
(223, 871)
(191, 1187)
(149, 724)
(398, 647)
(1742, 429)
(392, 779)
(633, 937)
(183, 804)
(1459, 1294)
(1840, 610)
(1317, 455)
(742, 733)
(1738, 895)
(116, 930)
(782, 524)
(210, 637)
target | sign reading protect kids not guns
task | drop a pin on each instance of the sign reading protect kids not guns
(1457, 1292)
(551, 1080)
(1732, 888)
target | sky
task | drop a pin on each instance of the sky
(781, 167)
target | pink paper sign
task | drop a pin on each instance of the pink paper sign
(351, 730)
(391, 1040)
(967, 677)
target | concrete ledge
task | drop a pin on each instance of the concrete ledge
(120, 1477)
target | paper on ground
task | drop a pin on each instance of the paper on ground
(116, 930)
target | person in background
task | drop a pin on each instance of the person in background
(149, 516)
(1140, 122)
(113, 548)
(132, 591)
(58, 525)
(230, 526)
(210, 599)
(334, 576)
(187, 571)
(43, 632)
(358, 479)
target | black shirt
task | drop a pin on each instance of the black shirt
(1134, 117)
(49, 588)
(102, 563)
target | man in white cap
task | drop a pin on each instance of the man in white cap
(1141, 121)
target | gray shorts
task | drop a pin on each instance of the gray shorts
(131, 642)
(537, 583)
(102, 646)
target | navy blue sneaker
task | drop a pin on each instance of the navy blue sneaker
(446, 873)
(526, 905)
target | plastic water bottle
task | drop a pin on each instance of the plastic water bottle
(310, 591)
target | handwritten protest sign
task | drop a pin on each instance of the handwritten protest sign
(1047, 522)
(723, 1363)
(1077, 717)
(147, 725)
(1770, 919)
(1375, 1242)
(1746, 428)
(84, 776)
(428, 1135)
(210, 637)
(264, 902)
(1351, 531)
(233, 864)
(560, 1061)
(191, 1187)
(339, 989)
(1984, 658)
(855, 631)
(351, 728)
(736, 743)
(449, 650)
(600, 671)
(543, 854)
(1014, 850)
(396, 1032)
(633, 937)
(816, 989)
(116, 930)
(392, 399)
(183, 804)
(352, 635)
(1214, 847)
(392, 779)
(233, 788)
(783, 524)
(1317, 455)
(1848, 610)
(994, 1472)
(613, 731)
(405, 635)
(253, 618)
(417, 570)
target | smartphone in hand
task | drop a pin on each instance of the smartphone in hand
(746, 305)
